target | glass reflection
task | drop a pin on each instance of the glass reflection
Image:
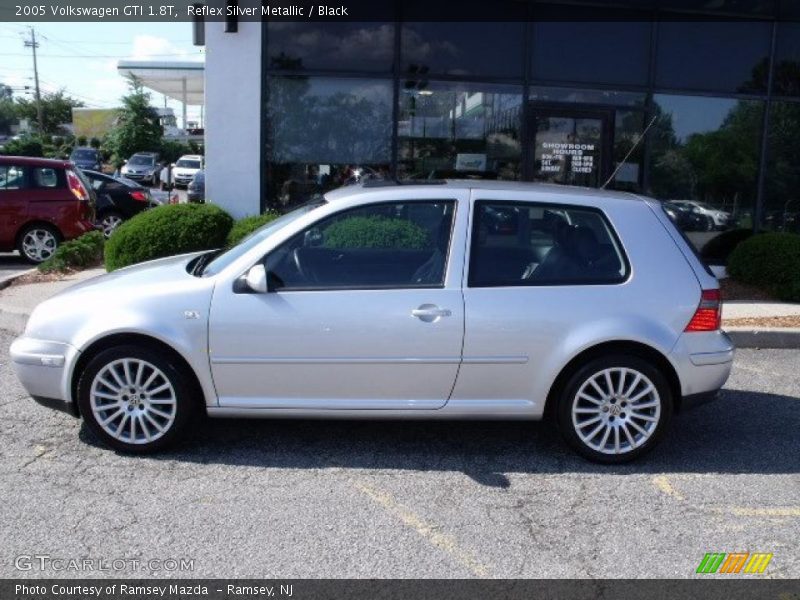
(704, 162)
(324, 133)
(782, 197)
(458, 130)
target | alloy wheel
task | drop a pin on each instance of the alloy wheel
(109, 223)
(39, 244)
(133, 401)
(616, 410)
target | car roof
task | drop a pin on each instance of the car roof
(191, 157)
(483, 184)
(34, 162)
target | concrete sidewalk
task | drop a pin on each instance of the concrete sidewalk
(17, 302)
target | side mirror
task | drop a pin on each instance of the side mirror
(256, 279)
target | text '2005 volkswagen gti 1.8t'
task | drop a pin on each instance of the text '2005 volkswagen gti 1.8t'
(488, 300)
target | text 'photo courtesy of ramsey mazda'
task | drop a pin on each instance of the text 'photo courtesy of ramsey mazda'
(426, 300)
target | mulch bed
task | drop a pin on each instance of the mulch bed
(791, 321)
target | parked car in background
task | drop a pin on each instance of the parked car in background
(688, 218)
(143, 167)
(196, 190)
(42, 203)
(87, 158)
(720, 219)
(118, 199)
(601, 315)
(185, 168)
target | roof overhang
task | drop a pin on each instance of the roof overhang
(168, 77)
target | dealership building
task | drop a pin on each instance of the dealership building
(297, 108)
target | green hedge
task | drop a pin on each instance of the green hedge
(244, 227)
(770, 261)
(82, 252)
(719, 248)
(375, 232)
(165, 231)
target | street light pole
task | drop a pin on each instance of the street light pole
(32, 44)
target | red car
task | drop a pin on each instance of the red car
(42, 203)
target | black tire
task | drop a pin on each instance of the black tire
(185, 400)
(32, 229)
(617, 363)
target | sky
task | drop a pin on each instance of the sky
(81, 58)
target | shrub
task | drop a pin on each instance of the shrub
(375, 232)
(165, 231)
(82, 252)
(244, 227)
(25, 146)
(770, 261)
(719, 248)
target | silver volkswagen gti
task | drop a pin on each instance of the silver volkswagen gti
(447, 300)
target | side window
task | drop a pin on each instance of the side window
(44, 177)
(517, 243)
(387, 245)
(11, 178)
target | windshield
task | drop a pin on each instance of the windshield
(83, 154)
(188, 164)
(141, 160)
(258, 236)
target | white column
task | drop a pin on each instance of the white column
(233, 116)
(183, 100)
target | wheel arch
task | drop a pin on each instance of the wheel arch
(122, 338)
(615, 347)
(33, 222)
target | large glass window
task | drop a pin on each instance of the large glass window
(786, 80)
(782, 197)
(476, 49)
(718, 56)
(517, 243)
(591, 52)
(458, 130)
(336, 45)
(402, 244)
(704, 160)
(324, 133)
(628, 151)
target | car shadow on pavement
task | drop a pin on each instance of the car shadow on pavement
(741, 432)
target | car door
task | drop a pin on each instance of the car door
(13, 203)
(366, 312)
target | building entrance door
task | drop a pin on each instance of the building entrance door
(571, 147)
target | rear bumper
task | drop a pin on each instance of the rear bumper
(42, 366)
(703, 362)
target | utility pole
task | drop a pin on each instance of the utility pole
(33, 44)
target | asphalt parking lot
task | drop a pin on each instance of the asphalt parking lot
(390, 499)
(12, 263)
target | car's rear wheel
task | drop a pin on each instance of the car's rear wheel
(615, 408)
(109, 222)
(37, 243)
(135, 399)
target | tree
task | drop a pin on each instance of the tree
(56, 111)
(138, 128)
(8, 112)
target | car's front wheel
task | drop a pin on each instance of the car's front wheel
(615, 408)
(135, 399)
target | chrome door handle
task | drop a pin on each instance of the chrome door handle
(430, 312)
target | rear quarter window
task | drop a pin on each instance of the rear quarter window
(12, 177)
(535, 244)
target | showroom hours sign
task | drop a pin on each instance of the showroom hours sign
(555, 155)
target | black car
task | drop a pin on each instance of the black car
(196, 190)
(86, 158)
(118, 199)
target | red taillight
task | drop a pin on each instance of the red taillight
(139, 195)
(76, 187)
(708, 316)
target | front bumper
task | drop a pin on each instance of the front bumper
(43, 368)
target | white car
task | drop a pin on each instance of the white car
(185, 168)
(719, 217)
